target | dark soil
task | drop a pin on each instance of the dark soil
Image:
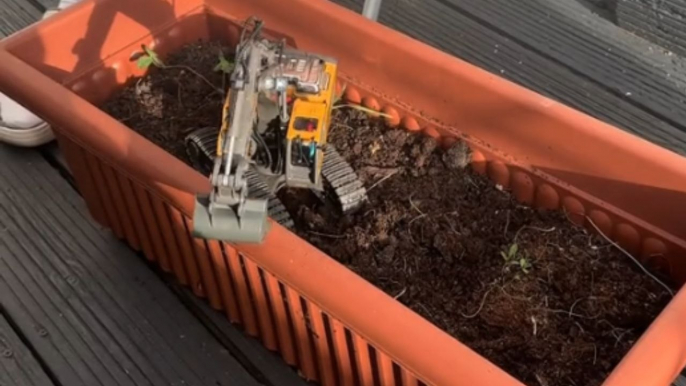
(541, 298)
(171, 102)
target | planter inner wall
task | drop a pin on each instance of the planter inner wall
(534, 147)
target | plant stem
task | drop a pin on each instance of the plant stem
(630, 256)
(481, 307)
(199, 75)
(363, 109)
(327, 235)
(389, 175)
(551, 229)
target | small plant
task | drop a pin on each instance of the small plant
(511, 252)
(513, 257)
(525, 265)
(224, 65)
(152, 58)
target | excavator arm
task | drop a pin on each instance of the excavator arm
(275, 123)
(228, 212)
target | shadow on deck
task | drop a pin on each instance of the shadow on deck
(78, 307)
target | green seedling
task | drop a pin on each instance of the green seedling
(514, 257)
(511, 253)
(224, 65)
(150, 58)
(524, 265)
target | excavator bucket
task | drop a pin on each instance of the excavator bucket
(222, 223)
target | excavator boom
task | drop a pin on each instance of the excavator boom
(274, 129)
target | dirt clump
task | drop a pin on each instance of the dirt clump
(538, 296)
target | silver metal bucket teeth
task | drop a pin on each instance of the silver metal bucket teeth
(205, 140)
(340, 176)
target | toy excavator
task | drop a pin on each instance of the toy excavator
(276, 118)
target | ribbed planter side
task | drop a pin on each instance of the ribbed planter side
(317, 343)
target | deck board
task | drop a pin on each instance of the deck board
(245, 348)
(43, 4)
(18, 366)
(92, 308)
(16, 15)
(660, 21)
(561, 49)
(265, 365)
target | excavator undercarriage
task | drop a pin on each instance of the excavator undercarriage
(343, 188)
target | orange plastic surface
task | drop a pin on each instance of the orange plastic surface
(547, 154)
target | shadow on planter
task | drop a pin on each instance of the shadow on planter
(663, 257)
(287, 293)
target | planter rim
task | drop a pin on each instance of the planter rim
(174, 181)
(506, 88)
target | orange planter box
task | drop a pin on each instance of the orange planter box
(547, 154)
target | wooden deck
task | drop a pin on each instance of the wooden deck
(18, 366)
(569, 50)
(77, 307)
(88, 308)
